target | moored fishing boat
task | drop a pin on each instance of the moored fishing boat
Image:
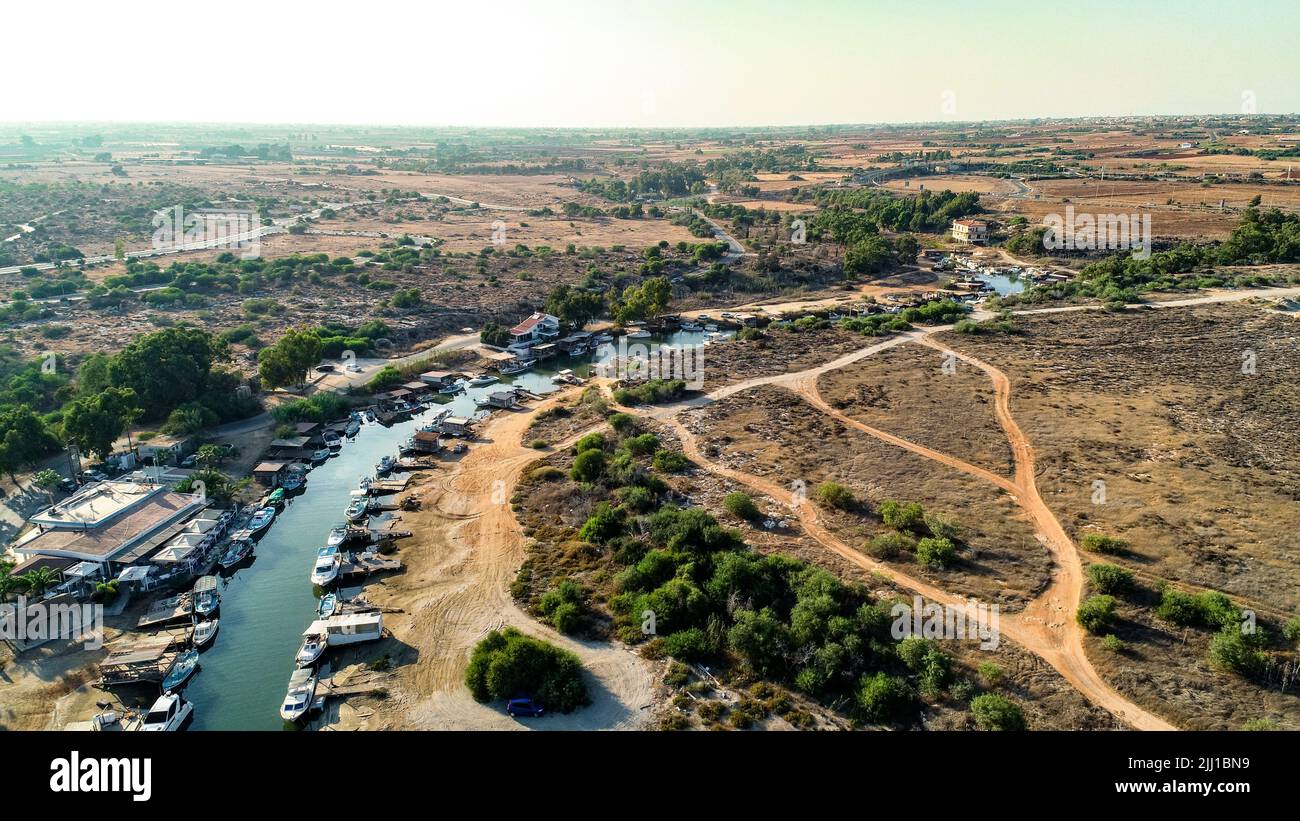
(276, 497)
(482, 379)
(181, 670)
(313, 647)
(297, 701)
(206, 598)
(261, 519)
(338, 535)
(293, 480)
(326, 568)
(357, 510)
(329, 605)
(386, 464)
(235, 552)
(167, 714)
(204, 632)
(320, 455)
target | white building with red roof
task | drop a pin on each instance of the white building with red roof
(535, 329)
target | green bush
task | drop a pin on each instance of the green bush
(890, 545)
(1096, 614)
(900, 516)
(670, 461)
(1209, 609)
(508, 664)
(623, 422)
(592, 441)
(997, 712)
(643, 445)
(882, 698)
(942, 526)
(833, 494)
(740, 504)
(936, 552)
(1109, 578)
(1104, 544)
(589, 466)
(605, 522)
(1234, 649)
(692, 644)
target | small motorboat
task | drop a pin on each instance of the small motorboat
(313, 647)
(640, 334)
(338, 535)
(320, 456)
(334, 443)
(517, 366)
(453, 388)
(329, 605)
(206, 597)
(353, 428)
(482, 379)
(262, 519)
(293, 480)
(692, 326)
(238, 550)
(358, 510)
(386, 464)
(204, 632)
(326, 569)
(167, 714)
(276, 497)
(370, 417)
(184, 666)
(365, 483)
(711, 327)
(297, 701)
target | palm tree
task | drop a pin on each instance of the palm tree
(36, 581)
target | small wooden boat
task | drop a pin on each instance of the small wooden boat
(313, 647)
(184, 666)
(329, 605)
(238, 550)
(204, 632)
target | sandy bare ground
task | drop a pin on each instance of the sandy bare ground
(466, 550)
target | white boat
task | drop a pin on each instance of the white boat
(365, 483)
(642, 334)
(326, 569)
(338, 535)
(602, 339)
(353, 428)
(453, 388)
(167, 714)
(710, 327)
(320, 455)
(692, 326)
(517, 366)
(386, 464)
(204, 632)
(262, 519)
(313, 646)
(351, 628)
(482, 379)
(297, 701)
(357, 510)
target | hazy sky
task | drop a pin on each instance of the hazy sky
(640, 63)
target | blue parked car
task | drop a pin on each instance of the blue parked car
(523, 707)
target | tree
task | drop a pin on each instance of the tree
(47, 480)
(882, 697)
(868, 256)
(167, 368)
(575, 306)
(508, 664)
(997, 712)
(93, 423)
(24, 439)
(210, 456)
(589, 465)
(645, 301)
(290, 359)
(761, 639)
(37, 580)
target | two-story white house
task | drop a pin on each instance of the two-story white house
(534, 330)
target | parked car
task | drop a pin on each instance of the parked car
(324, 368)
(93, 476)
(190, 461)
(516, 707)
(67, 484)
(353, 368)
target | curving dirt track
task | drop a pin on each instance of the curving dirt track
(1046, 626)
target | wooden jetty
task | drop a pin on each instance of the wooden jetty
(172, 608)
(386, 487)
(360, 565)
(143, 660)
